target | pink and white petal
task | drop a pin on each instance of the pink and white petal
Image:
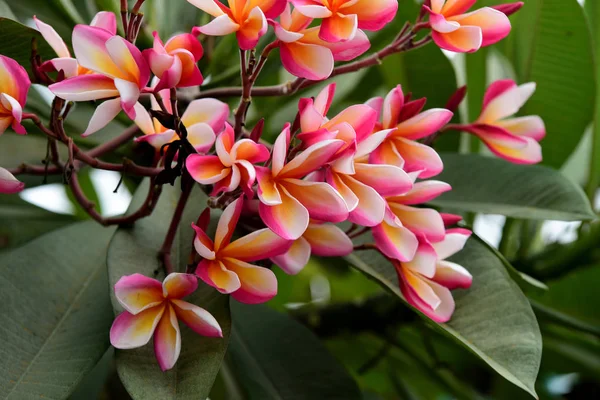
(247, 178)
(339, 27)
(69, 66)
(309, 61)
(203, 244)
(466, 39)
(206, 170)
(130, 94)
(224, 144)
(496, 89)
(424, 261)
(158, 140)
(530, 153)
(370, 143)
(361, 117)
(271, 8)
(89, 44)
(296, 258)
(289, 219)
(322, 201)
(258, 245)
(8, 183)
(309, 138)
(455, 7)
(324, 99)
(229, 183)
(185, 41)
(423, 192)
(197, 318)
(268, 193)
(387, 154)
(452, 276)
(531, 126)
(227, 223)
(253, 28)
(215, 274)
(372, 14)
(220, 26)
(425, 222)
(507, 103)
(311, 118)
(137, 293)
(440, 24)
(85, 88)
(210, 111)
(105, 20)
(494, 24)
(201, 137)
(451, 219)
(130, 331)
(419, 157)
(11, 104)
(453, 242)
(376, 103)
(387, 180)
(310, 159)
(178, 286)
(395, 241)
(103, 115)
(311, 9)
(371, 206)
(258, 285)
(208, 6)
(283, 34)
(342, 51)
(336, 181)
(14, 80)
(424, 124)
(437, 5)
(171, 77)
(167, 340)
(249, 150)
(280, 150)
(327, 240)
(143, 120)
(392, 106)
(190, 73)
(53, 39)
(5, 122)
(430, 298)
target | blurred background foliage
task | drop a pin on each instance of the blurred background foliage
(388, 349)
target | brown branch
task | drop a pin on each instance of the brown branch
(115, 143)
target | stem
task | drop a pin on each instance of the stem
(115, 143)
(124, 12)
(137, 6)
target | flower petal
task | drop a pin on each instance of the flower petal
(197, 318)
(371, 206)
(206, 170)
(130, 331)
(53, 39)
(424, 124)
(372, 14)
(507, 103)
(215, 274)
(167, 340)
(494, 25)
(89, 44)
(339, 27)
(309, 61)
(203, 244)
(311, 9)
(258, 245)
(453, 242)
(8, 183)
(258, 285)
(210, 111)
(319, 198)
(137, 293)
(295, 259)
(496, 89)
(268, 192)
(387, 154)
(253, 28)
(424, 261)
(178, 286)
(103, 115)
(421, 221)
(208, 6)
(419, 157)
(280, 150)
(361, 117)
(327, 240)
(201, 137)
(395, 241)
(288, 219)
(466, 39)
(227, 223)
(430, 298)
(454, 7)
(85, 88)
(452, 275)
(387, 180)
(423, 192)
(530, 126)
(311, 159)
(105, 20)
(249, 150)
(220, 26)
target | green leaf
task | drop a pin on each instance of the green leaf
(494, 186)
(135, 250)
(275, 357)
(551, 45)
(16, 43)
(22, 221)
(56, 312)
(493, 319)
(5, 11)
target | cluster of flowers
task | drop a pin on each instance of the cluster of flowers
(367, 165)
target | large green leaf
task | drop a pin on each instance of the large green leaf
(16, 42)
(274, 357)
(135, 250)
(56, 312)
(22, 221)
(551, 45)
(494, 186)
(493, 319)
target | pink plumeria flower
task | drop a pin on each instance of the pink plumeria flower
(427, 279)
(514, 139)
(175, 62)
(65, 62)
(454, 30)
(8, 183)
(14, 86)
(247, 18)
(153, 309)
(396, 237)
(287, 202)
(410, 124)
(231, 167)
(203, 120)
(304, 54)
(343, 18)
(226, 264)
(120, 71)
(324, 240)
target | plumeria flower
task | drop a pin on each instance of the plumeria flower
(8, 183)
(175, 62)
(343, 18)
(410, 124)
(248, 18)
(454, 30)
(514, 139)
(203, 120)
(120, 71)
(14, 86)
(232, 166)
(65, 62)
(304, 54)
(427, 279)
(396, 237)
(226, 264)
(324, 240)
(152, 309)
(286, 201)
